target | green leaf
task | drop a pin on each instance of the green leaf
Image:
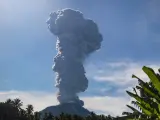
(153, 77)
(144, 109)
(139, 99)
(147, 89)
(133, 109)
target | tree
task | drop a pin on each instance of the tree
(29, 112)
(9, 101)
(17, 103)
(8, 111)
(37, 116)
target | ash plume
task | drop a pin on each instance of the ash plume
(77, 37)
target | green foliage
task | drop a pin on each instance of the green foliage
(148, 102)
(11, 110)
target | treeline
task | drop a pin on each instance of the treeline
(147, 104)
(12, 110)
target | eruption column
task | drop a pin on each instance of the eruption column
(77, 37)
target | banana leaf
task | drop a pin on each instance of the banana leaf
(133, 109)
(139, 99)
(153, 77)
(147, 89)
(147, 112)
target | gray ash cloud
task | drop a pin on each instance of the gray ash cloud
(77, 37)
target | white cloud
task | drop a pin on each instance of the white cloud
(40, 100)
(108, 105)
(119, 73)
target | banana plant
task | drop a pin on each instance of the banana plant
(148, 102)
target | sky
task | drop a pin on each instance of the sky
(131, 38)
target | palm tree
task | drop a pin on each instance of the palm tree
(29, 112)
(29, 109)
(17, 103)
(9, 101)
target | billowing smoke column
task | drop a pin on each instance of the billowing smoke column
(77, 37)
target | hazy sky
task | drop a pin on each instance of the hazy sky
(131, 32)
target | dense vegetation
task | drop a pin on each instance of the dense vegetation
(12, 110)
(147, 104)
